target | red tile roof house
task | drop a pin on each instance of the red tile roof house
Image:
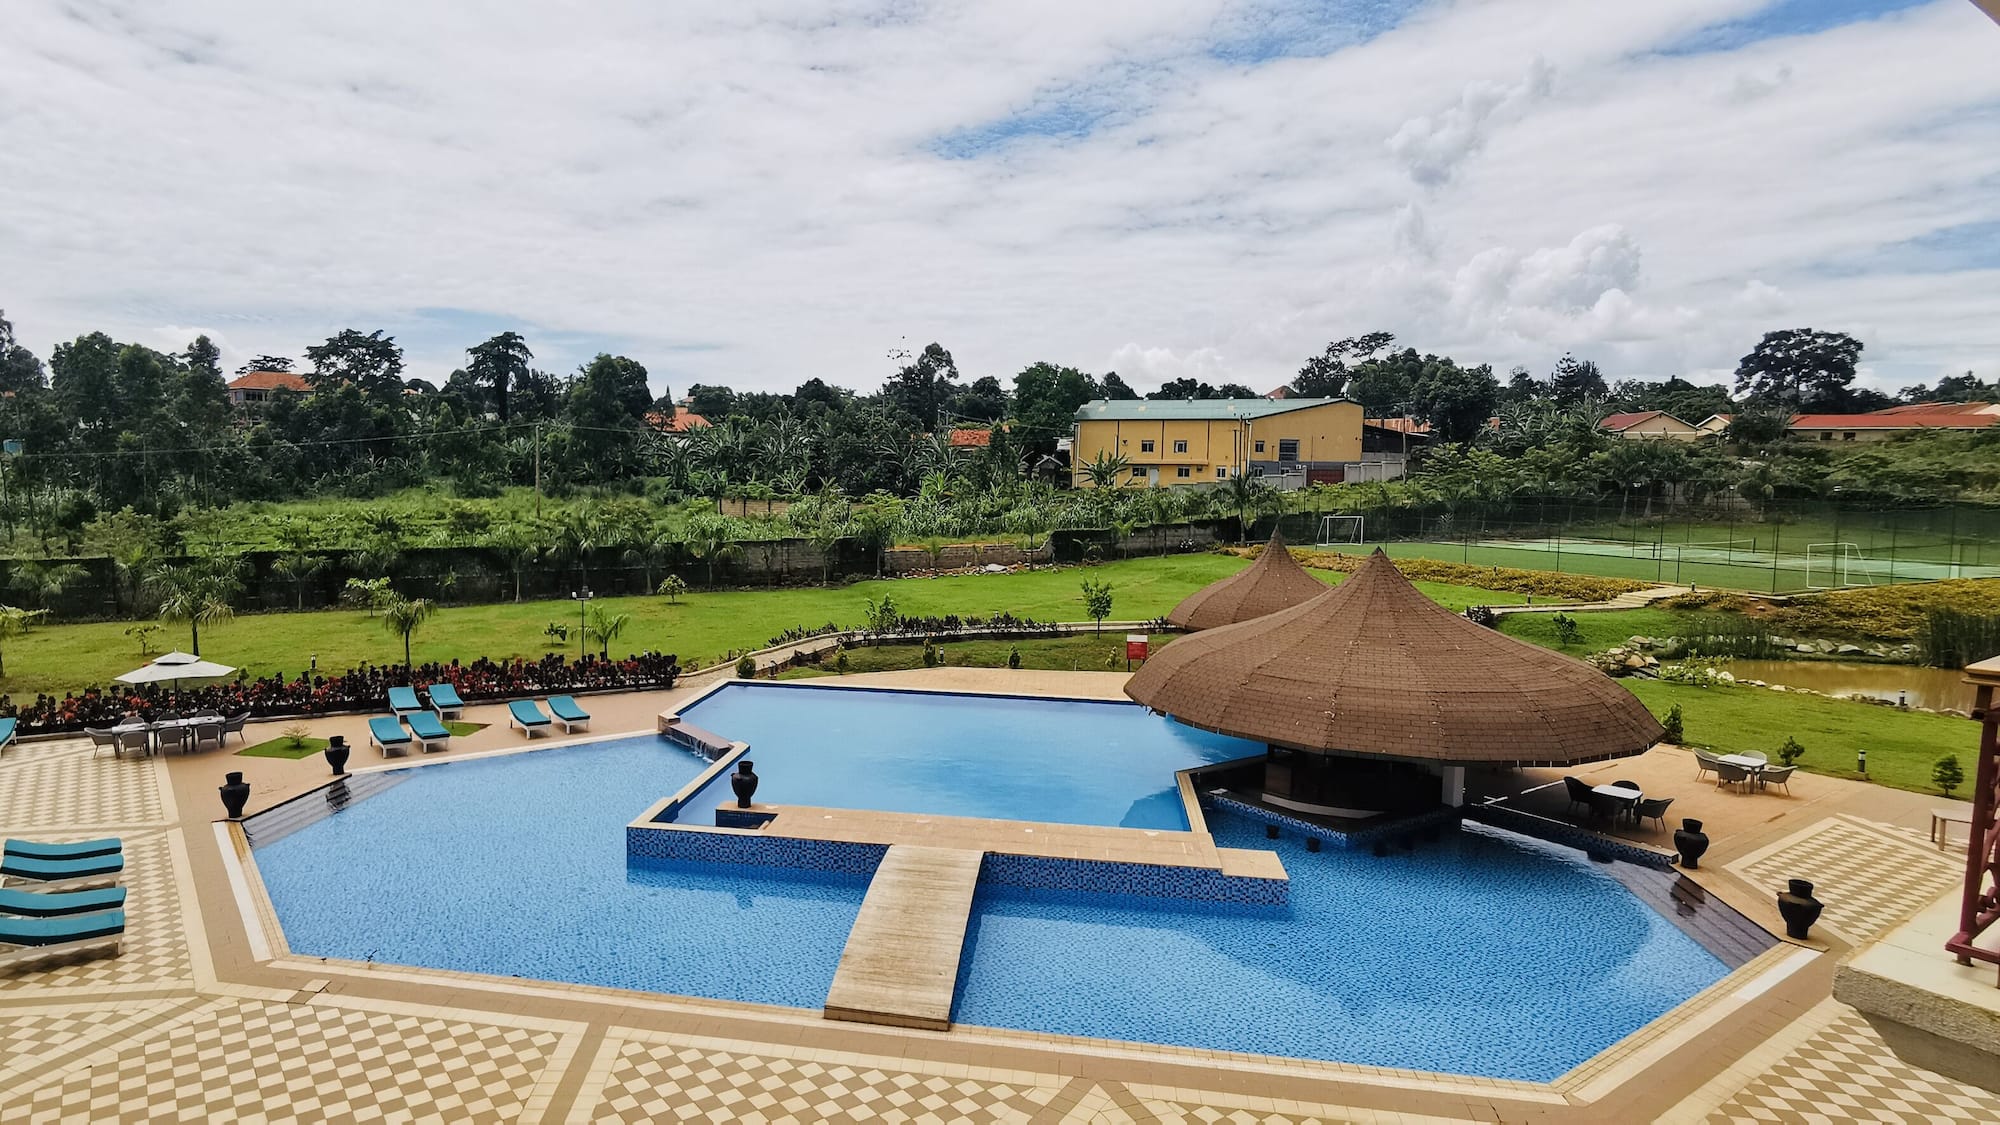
(971, 439)
(680, 423)
(1884, 424)
(259, 386)
(1650, 425)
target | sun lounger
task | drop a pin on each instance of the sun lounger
(524, 714)
(431, 733)
(572, 717)
(403, 700)
(386, 734)
(32, 904)
(7, 727)
(63, 874)
(35, 849)
(31, 939)
(445, 701)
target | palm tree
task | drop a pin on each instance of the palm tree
(1243, 493)
(825, 537)
(1106, 470)
(653, 546)
(578, 532)
(196, 594)
(296, 567)
(708, 542)
(402, 616)
(606, 626)
(13, 623)
(500, 361)
(521, 544)
(46, 581)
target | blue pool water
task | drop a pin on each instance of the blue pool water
(1010, 758)
(516, 866)
(1486, 953)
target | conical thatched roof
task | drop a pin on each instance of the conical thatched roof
(1275, 581)
(1373, 667)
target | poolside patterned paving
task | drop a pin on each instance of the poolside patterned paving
(180, 1028)
(1871, 876)
(1844, 1073)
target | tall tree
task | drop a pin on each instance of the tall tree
(1114, 388)
(1576, 379)
(266, 363)
(1184, 389)
(500, 361)
(371, 363)
(984, 401)
(710, 401)
(923, 386)
(1046, 399)
(84, 376)
(1456, 401)
(204, 358)
(20, 369)
(1800, 369)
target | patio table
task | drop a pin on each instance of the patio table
(1619, 793)
(154, 730)
(1744, 761)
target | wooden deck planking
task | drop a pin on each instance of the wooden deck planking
(900, 966)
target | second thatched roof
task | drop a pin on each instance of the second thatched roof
(1275, 581)
(1374, 668)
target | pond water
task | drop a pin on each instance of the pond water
(1935, 688)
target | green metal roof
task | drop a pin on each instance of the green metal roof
(1197, 410)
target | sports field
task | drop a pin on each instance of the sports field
(1732, 564)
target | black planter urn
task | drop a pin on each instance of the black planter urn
(1691, 842)
(235, 794)
(337, 750)
(1800, 909)
(744, 782)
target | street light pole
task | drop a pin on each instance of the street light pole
(582, 598)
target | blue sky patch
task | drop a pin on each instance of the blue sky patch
(1782, 18)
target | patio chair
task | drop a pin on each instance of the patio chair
(524, 714)
(207, 732)
(1727, 774)
(7, 728)
(31, 939)
(1704, 762)
(1632, 785)
(82, 849)
(445, 701)
(572, 717)
(140, 740)
(29, 904)
(430, 731)
(1780, 776)
(1607, 808)
(403, 700)
(99, 739)
(64, 874)
(386, 733)
(1652, 809)
(1579, 791)
(234, 724)
(1755, 755)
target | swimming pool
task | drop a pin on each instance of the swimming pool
(515, 866)
(1486, 953)
(1003, 757)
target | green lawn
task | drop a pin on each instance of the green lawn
(1085, 653)
(1601, 629)
(703, 625)
(281, 747)
(1901, 745)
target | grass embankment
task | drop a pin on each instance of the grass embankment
(704, 624)
(1084, 653)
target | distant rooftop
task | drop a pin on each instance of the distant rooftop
(269, 381)
(680, 423)
(1197, 410)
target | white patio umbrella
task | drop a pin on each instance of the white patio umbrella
(176, 666)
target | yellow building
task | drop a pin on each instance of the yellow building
(1169, 442)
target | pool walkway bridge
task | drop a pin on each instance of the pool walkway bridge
(900, 966)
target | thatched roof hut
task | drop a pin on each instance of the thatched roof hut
(1275, 581)
(1373, 668)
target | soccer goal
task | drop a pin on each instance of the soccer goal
(1832, 566)
(1342, 531)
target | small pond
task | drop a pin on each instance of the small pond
(1935, 688)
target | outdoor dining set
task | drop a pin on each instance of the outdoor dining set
(185, 733)
(1750, 770)
(1619, 800)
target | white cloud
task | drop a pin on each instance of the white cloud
(752, 193)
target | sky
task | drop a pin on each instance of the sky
(757, 193)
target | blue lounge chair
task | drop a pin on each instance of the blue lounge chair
(445, 701)
(524, 714)
(572, 717)
(31, 939)
(31, 904)
(63, 874)
(431, 733)
(35, 849)
(386, 734)
(7, 727)
(403, 700)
